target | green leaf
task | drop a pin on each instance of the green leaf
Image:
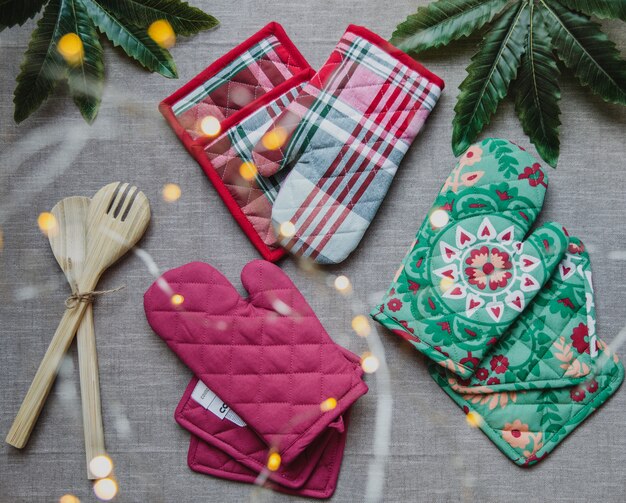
(185, 19)
(537, 91)
(42, 66)
(134, 41)
(584, 48)
(85, 78)
(14, 12)
(605, 9)
(489, 74)
(441, 22)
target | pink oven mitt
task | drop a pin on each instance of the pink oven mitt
(267, 356)
(222, 445)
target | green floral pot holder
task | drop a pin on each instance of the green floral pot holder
(508, 319)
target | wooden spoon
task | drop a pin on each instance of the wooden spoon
(118, 216)
(69, 246)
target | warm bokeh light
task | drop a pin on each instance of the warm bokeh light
(287, 229)
(1, 240)
(369, 363)
(274, 139)
(328, 404)
(47, 223)
(446, 283)
(248, 171)
(70, 46)
(273, 462)
(68, 498)
(105, 489)
(177, 299)
(342, 283)
(210, 126)
(171, 192)
(361, 325)
(439, 218)
(474, 419)
(101, 466)
(162, 33)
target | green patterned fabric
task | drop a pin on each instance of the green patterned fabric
(508, 324)
(470, 273)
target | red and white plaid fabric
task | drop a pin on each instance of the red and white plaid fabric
(345, 136)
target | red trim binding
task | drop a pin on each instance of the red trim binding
(195, 147)
(400, 55)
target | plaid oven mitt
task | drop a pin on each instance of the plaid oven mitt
(345, 135)
(274, 381)
(547, 374)
(224, 111)
(472, 268)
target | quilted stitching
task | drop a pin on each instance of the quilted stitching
(490, 183)
(267, 356)
(347, 133)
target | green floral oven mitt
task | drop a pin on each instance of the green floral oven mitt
(472, 268)
(552, 343)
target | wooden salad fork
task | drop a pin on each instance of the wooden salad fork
(69, 246)
(117, 218)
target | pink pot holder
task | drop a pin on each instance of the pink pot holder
(269, 359)
(221, 113)
(222, 445)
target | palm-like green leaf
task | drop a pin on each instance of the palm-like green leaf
(488, 76)
(185, 19)
(607, 9)
(537, 91)
(14, 12)
(134, 41)
(42, 66)
(584, 48)
(85, 78)
(443, 21)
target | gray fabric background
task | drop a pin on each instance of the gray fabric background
(435, 455)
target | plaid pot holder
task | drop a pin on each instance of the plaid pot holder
(472, 270)
(224, 111)
(267, 356)
(344, 135)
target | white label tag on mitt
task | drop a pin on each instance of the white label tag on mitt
(214, 404)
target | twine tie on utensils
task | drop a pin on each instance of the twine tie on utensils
(76, 298)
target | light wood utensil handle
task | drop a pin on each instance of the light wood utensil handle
(90, 389)
(44, 378)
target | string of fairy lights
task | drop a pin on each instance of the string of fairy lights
(106, 486)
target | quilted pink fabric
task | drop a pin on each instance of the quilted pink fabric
(267, 356)
(224, 449)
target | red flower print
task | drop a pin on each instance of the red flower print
(413, 286)
(438, 348)
(464, 382)
(576, 248)
(492, 341)
(394, 305)
(499, 364)
(470, 360)
(534, 175)
(405, 324)
(482, 374)
(592, 386)
(488, 268)
(579, 334)
(577, 394)
(493, 380)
